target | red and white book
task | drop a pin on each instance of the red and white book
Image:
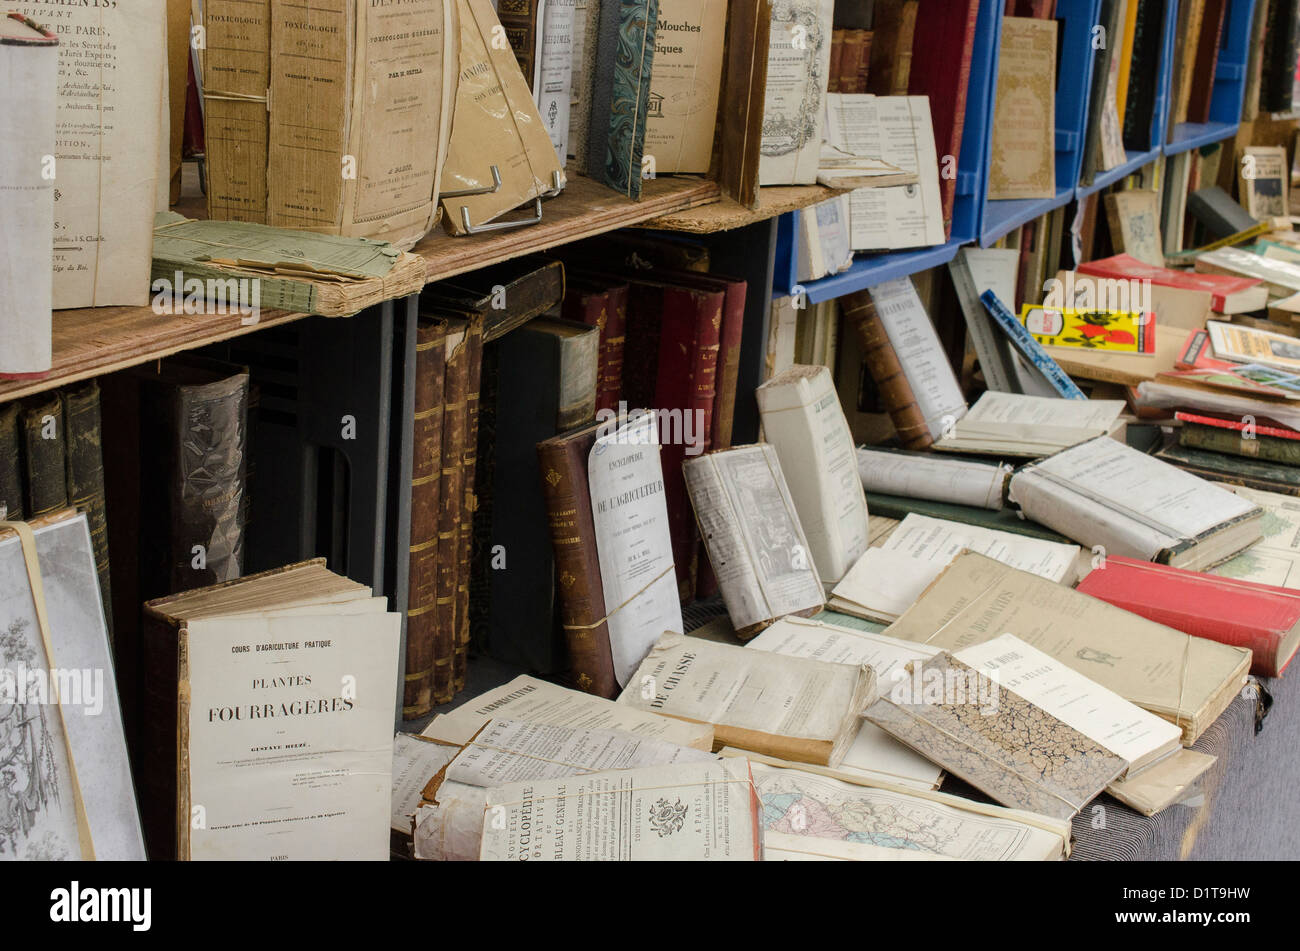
(1229, 295)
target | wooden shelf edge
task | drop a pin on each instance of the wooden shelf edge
(727, 214)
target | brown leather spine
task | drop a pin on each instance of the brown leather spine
(11, 471)
(450, 502)
(469, 463)
(563, 462)
(882, 360)
(44, 453)
(426, 480)
(519, 19)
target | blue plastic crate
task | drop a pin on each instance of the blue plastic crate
(1229, 84)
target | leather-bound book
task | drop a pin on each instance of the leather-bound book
(852, 57)
(451, 499)
(837, 55)
(194, 423)
(44, 455)
(519, 20)
(426, 480)
(891, 48)
(886, 370)
(602, 303)
(563, 465)
(11, 468)
(85, 476)
(941, 70)
(505, 295)
(1207, 60)
(469, 462)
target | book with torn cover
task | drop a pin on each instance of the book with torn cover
(924, 475)
(888, 579)
(751, 531)
(1118, 500)
(684, 812)
(1186, 680)
(790, 707)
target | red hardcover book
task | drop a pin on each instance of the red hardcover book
(1238, 425)
(941, 70)
(1230, 295)
(601, 304)
(1261, 617)
(1207, 60)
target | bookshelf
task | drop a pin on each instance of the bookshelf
(979, 221)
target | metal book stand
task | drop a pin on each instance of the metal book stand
(557, 186)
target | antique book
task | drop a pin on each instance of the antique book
(236, 75)
(497, 126)
(1002, 744)
(563, 465)
(85, 476)
(1264, 619)
(940, 71)
(752, 534)
(1103, 493)
(797, 65)
(1186, 680)
(1217, 215)
(1264, 181)
(856, 53)
(357, 92)
(888, 579)
(1191, 16)
(1134, 219)
(898, 507)
(690, 811)
(793, 708)
(469, 468)
(685, 85)
(512, 751)
(504, 296)
(297, 658)
(804, 423)
(1231, 470)
(104, 200)
(885, 213)
(523, 22)
(881, 360)
(621, 87)
(807, 814)
(576, 350)
(925, 366)
(633, 538)
(44, 455)
(1230, 295)
(893, 29)
(537, 701)
(1011, 424)
(1275, 559)
(1240, 438)
(873, 755)
(241, 267)
(1109, 148)
(193, 504)
(929, 476)
(1024, 119)
(553, 73)
(417, 761)
(1282, 41)
(586, 26)
(11, 466)
(29, 61)
(426, 482)
(63, 739)
(824, 239)
(1206, 60)
(601, 302)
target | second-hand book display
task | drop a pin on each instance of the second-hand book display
(553, 430)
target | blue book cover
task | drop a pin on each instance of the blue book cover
(1031, 348)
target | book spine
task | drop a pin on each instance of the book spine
(44, 455)
(426, 480)
(1276, 83)
(724, 405)
(85, 478)
(469, 463)
(1207, 59)
(236, 116)
(612, 342)
(902, 55)
(595, 309)
(11, 467)
(1030, 348)
(851, 59)
(1267, 448)
(837, 56)
(451, 500)
(159, 754)
(1147, 37)
(519, 20)
(887, 371)
(1191, 36)
(563, 466)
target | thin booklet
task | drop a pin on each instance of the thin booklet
(1016, 425)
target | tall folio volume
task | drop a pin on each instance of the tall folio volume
(28, 71)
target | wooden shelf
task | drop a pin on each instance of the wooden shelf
(96, 340)
(726, 214)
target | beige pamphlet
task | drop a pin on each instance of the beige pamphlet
(1024, 119)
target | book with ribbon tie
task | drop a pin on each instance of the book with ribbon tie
(65, 782)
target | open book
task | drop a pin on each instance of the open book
(1120, 501)
(1010, 424)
